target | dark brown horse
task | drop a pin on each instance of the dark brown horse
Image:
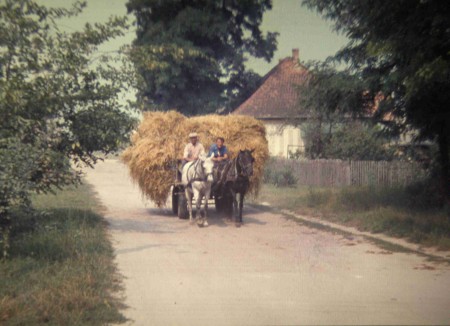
(236, 183)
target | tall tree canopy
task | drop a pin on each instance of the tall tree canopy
(191, 53)
(59, 100)
(401, 50)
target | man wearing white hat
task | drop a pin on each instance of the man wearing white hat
(194, 149)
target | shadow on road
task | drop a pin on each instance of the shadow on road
(152, 222)
(140, 248)
(141, 226)
(220, 220)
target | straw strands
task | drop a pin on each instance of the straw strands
(160, 139)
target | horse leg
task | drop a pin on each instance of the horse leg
(237, 221)
(205, 218)
(198, 206)
(235, 206)
(189, 202)
(241, 205)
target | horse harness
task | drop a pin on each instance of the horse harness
(196, 176)
(231, 171)
(244, 166)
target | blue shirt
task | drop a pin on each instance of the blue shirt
(218, 152)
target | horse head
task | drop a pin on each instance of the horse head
(245, 161)
(207, 165)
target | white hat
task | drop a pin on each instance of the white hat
(193, 134)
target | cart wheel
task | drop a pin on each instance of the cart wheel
(175, 201)
(182, 206)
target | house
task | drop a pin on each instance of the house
(275, 102)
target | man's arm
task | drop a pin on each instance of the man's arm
(211, 150)
(186, 153)
(225, 153)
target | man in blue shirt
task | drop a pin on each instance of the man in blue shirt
(220, 159)
(219, 150)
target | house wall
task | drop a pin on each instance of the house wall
(283, 138)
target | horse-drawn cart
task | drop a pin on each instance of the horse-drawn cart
(159, 140)
(222, 203)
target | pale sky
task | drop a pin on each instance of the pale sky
(298, 28)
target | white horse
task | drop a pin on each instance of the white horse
(197, 178)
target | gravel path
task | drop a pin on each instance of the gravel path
(271, 271)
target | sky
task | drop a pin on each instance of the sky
(298, 27)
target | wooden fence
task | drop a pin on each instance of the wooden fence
(337, 173)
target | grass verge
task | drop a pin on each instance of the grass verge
(388, 211)
(61, 269)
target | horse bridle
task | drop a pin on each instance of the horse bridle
(244, 167)
(195, 172)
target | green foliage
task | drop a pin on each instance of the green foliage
(318, 198)
(279, 176)
(59, 103)
(60, 270)
(335, 103)
(240, 87)
(400, 51)
(393, 211)
(347, 141)
(366, 198)
(333, 96)
(358, 142)
(425, 193)
(191, 53)
(296, 155)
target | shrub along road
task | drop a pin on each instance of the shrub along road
(270, 271)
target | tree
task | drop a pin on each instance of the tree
(400, 49)
(359, 141)
(330, 99)
(191, 53)
(240, 87)
(59, 103)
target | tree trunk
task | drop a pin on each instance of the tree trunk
(444, 160)
(5, 231)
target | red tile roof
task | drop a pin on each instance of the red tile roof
(277, 97)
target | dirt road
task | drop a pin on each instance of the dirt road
(271, 271)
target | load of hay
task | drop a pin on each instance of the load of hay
(160, 139)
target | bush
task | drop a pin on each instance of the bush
(318, 198)
(424, 194)
(365, 198)
(279, 176)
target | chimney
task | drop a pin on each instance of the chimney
(295, 55)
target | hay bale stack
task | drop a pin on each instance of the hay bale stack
(161, 137)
